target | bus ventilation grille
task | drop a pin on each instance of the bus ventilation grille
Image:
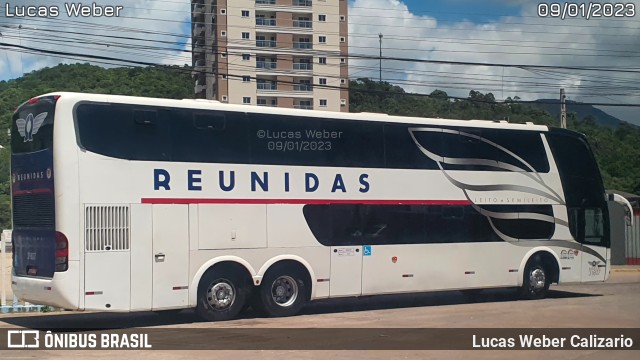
(106, 228)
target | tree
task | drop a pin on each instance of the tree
(439, 94)
(617, 152)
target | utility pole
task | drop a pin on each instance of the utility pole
(380, 36)
(563, 110)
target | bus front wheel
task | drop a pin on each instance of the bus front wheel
(221, 295)
(283, 292)
(536, 281)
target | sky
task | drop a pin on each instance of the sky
(505, 32)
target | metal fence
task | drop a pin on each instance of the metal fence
(9, 303)
(632, 241)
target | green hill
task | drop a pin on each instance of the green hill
(580, 110)
(150, 82)
(617, 149)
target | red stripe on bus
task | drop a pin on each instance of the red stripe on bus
(34, 191)
(300, 201)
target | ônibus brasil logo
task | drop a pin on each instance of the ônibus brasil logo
(30, 126)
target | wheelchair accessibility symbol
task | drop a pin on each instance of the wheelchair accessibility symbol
(366, 250)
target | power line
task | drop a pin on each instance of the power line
(432, 36)
(189, 22)
(475, 83)
(109, 59)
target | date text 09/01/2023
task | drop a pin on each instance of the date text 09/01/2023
(586, 10)
(70, 9)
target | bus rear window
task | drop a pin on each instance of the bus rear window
(32, 125)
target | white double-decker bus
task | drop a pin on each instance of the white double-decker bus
(128, 204)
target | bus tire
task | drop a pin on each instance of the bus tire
(536, 281)
(221, 295)
(283, 292)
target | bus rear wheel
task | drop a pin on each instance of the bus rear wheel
(283, 292)
(221, 296)
(536, 281)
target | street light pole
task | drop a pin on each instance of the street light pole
(380, 36)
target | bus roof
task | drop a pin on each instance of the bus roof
(363, 116)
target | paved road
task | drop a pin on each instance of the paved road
(614, 304)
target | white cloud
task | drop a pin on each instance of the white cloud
(541, 41)
(89, 35)
(405, 35)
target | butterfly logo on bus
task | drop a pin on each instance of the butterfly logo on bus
(525, 182)
(30, 126)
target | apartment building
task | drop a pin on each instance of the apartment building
(282, 53)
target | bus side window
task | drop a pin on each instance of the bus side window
(145, 117)
(593, 225)
(574, 216)
(452, 212)
(149, 137)
(214, 122)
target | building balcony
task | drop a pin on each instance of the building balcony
(307, 24)
(265, 22)
(266, 43)
(305, 3)
(198, 67)
(294, 3)
(302, 66)
(269, 102)
(198, 30)
(266, 64)
(197, 9)
(303, 87)
(267, 86)
(304, 107)
(302, 45)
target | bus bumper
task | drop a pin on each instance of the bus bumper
(62, 291)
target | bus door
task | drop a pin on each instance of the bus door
(170, 256)
(591, 233)
(584, 198)
(346, 271)
(346, 251)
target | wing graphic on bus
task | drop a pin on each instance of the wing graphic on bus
(524, 179)
(30, 126)
(20, 124)
(37, 122)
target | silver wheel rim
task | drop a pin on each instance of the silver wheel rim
(221, 295)
(537, 279)
(284, 291)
